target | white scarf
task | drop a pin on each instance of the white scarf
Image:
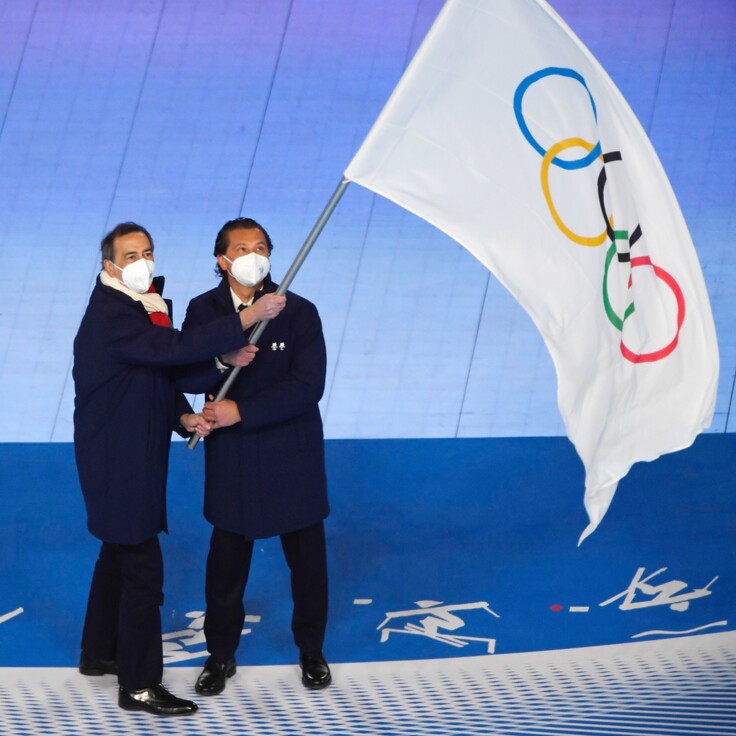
(152, 301)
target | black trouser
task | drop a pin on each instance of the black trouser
(228, 565)
(123, 620)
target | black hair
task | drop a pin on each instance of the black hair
(223, 237)
(124, 228)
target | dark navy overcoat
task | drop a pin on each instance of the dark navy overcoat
(266, 474)
(126, 406)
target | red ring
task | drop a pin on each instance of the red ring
(667, 278)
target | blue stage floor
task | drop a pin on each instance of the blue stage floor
(430, 541)
(460, 603)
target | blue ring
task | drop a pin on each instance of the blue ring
(580, 163)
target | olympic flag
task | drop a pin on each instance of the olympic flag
(508, 135)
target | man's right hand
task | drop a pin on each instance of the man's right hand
(222, 413)
(241, 357)
(267, 307)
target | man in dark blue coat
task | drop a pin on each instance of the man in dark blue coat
(264, 461)
(126, 406)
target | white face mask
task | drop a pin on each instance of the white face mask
(249, 270)
(138, 275)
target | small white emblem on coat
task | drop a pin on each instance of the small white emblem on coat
(278, 346)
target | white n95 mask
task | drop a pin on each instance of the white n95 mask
(250, 269)
(138, 275)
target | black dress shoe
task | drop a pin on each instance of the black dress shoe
(211, 680)
(96, 667)
(315, 670)
(157, 700)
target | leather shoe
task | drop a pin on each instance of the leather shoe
(315, 670)
(96, 667)
(211, 680)
(157, 700)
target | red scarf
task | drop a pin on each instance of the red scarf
(158, 318)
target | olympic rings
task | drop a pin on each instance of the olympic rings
(549, 157)
(518, 98)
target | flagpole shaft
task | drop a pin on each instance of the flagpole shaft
(301, 256)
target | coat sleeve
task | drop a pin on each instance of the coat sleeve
(137, 341)
(302, 388)
(200, 377)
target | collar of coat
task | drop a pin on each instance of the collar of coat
(222, 292)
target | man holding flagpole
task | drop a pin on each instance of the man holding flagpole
(125, 408)
(264, 460)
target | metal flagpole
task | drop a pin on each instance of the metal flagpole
(283, 286)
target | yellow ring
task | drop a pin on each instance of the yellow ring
(546, 161)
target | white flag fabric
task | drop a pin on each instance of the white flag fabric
(508, 135)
